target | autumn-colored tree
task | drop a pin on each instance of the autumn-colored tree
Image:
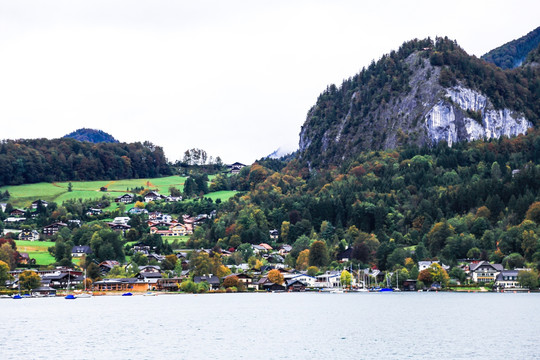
(139, 205)
(438, 274)
(275, 276)
(346, 278)
(533, 213)
(4, 273)
(312, 270)
(302, 262)
(169, 263)
(409, 263)
(483, 211)
(222, 271)
(425, 276)
(29, 280)
(8, 255)
(231, 281)
(437, 236)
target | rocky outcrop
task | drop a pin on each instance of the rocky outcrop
(448, 120)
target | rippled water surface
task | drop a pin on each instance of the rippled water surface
(274, 326)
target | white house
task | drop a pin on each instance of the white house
(123, 220)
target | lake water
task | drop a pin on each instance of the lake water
(274, 326)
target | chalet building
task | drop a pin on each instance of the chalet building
(24, 258)
(12, 219)
(31, 235)
(274, 234)
(149, 272)
(107, 265)
(93, 211)
(36, 204)
(43, 291)
(119, 227)
(295, 285)
(483, 272)
(423, 265)
(507, 279)
(81, 250)
(53, 228)
(126, 199)
(173, 198)
(246, 279)
(174, 230)
(153, 196)
(212, 280)
(137, 211)
(61, 279)
(409, 285)
(141, 247)
(270, 286)
(17, 212)
(128, 284)
(170, 284)
(304, 278)
(284, 249)
(236, 167)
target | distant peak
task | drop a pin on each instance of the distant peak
(91, 135)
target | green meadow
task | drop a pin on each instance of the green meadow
(24, 195)
(37, 250)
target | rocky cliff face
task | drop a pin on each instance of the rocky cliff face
(408, 97)
(450, 119)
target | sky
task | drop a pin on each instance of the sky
(235, 78)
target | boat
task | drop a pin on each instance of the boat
(127, 294)
(149, 294)
(83, 296)
(386, 290)
(5, 297)
(69, 296)
(17, 296)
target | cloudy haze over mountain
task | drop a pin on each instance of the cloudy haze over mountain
(235, 78)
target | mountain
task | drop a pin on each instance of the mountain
(91, 135)
(514, 53)
(280, 152)
(425, 92)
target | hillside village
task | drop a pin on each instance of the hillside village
(266, 270)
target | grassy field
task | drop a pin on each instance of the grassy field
(223, 195)
(24, 195)
(37, 250)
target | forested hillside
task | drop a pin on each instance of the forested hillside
(513, 53)
(476, 199)
(37, 160)
(393, 101)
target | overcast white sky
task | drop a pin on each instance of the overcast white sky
(235, 78)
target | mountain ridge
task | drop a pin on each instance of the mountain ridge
(515, 52)
(425, 92)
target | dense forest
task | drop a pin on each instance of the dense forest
(513, 53)
(476, 200)
(37, 160)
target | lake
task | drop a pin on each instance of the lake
(274, 326)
